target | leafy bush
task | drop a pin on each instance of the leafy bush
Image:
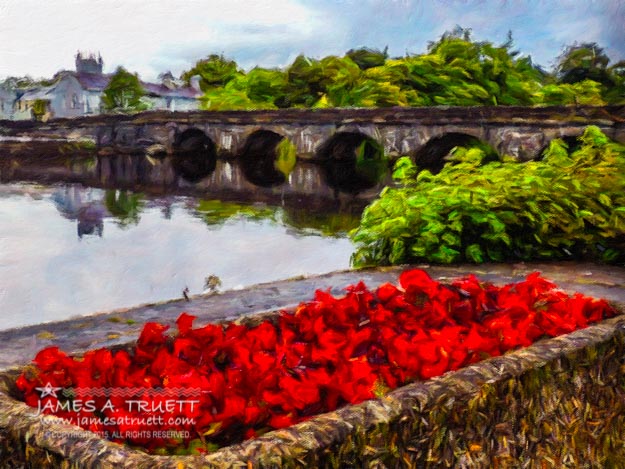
(566, 206)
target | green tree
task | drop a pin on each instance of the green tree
(585, 92)
(227, 98)
(214, 71)
(454, 71)
(124, 93)
(586, 61)
(459, 71)
(235, 96)
(616, 94)
(340, 76)
(304, 82)
(40, 108)
(367, 58)
(267, 86)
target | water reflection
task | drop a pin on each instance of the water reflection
(265, 174)
(131, 170)
(323, 223)
(195, 155)
(124, 206)
(217, 212)
(298, 222)
(73, 250)
(89, 206)
(90, 221)
(350, 165)
(82, 205)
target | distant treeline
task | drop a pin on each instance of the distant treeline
(455, 71)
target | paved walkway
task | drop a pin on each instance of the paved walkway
(19, 346)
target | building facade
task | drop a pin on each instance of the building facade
(79, 93)
(7, 101)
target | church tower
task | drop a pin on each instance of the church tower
(89, 63)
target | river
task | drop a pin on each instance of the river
(70, 249)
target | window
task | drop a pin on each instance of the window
(74, 101)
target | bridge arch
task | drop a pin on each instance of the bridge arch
(259, 140)
(194, 155)
(434, 154)
(192, 139)
(572, 142)
(264, 158)
(370, 130)
(352, 161)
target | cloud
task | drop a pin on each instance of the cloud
(153, 36)
(42, 37)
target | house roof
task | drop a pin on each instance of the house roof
(37, 93)
(98, 82)
(92, 81)
(155, 89)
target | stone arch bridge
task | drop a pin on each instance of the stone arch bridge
(522, 132)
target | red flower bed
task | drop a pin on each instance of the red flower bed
(244, 381)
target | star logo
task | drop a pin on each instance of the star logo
(48, 390)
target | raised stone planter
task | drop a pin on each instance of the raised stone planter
(557, 403)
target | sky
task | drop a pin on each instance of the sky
(40, 37)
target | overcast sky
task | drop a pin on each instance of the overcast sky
(40, 37)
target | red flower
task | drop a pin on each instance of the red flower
(153, 333)
(263, 337)
(50, 359)
(185, 324)
(329, 352)
(386, 291)
(418, 285)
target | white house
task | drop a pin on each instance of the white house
(79, 93)
(7, 99)
(170, 95)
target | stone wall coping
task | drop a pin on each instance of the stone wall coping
(543, 116)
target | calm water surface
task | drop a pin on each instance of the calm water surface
(68, 250)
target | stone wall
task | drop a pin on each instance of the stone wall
(517, 131)
(558, 403)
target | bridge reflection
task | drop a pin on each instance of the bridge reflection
(233, 175)
(307, 186)
(274, 171)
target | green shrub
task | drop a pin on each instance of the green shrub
(566, 206)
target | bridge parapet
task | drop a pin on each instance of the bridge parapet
(517, 131)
